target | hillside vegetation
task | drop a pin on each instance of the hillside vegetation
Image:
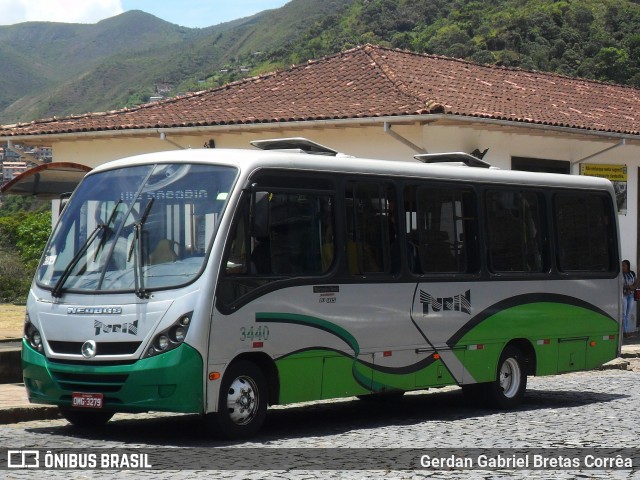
(597, 39)
(25, 224)
(58, 69)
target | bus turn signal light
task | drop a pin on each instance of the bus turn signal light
(214, 375)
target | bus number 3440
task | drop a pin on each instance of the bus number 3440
(259, 333)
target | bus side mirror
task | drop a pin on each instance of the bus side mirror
(64, 199)
(260, 214)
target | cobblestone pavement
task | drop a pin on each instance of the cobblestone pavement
(580, 410)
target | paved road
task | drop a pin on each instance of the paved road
(581, 410)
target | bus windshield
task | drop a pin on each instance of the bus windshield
(136, 228)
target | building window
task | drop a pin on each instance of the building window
(527, 164)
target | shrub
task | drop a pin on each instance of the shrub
(15, 278)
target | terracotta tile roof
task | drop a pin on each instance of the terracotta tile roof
(372, 81)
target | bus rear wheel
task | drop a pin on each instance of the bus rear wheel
(507, 391)
(84, 419)
(242, 406)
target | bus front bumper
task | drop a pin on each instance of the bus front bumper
(170, 382)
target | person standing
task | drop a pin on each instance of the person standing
(629, 285)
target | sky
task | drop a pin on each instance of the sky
(187, 13)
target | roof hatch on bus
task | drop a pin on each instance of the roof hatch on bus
(297, 145)
(454, 158)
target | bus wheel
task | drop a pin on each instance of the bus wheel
(242, 406)
(507, 391)
(85, 419)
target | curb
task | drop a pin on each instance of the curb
(633, 354)
(28, 414)
(616, 364)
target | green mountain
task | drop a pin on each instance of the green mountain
(59, 69)
(597, 39)
(41, 57)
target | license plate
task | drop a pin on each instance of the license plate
(87, 400)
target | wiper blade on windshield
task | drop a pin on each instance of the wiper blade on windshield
(103, 239)
(56, 291)
(136, 246)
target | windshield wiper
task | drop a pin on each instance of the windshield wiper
(56, 291)
(103, 239)
(136, 246)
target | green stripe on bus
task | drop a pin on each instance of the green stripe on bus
(324, 373)
(536, 322)
(327, 373)
(309, 321)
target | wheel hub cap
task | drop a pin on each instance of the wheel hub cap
(510, 377)
(242, 400)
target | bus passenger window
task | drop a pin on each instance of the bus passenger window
(586, 235)
(291, 235)
(441, 226)
(295, 237)
(371, 227)
(515, 231)
(299, 235)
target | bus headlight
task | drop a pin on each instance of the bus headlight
(162, 342)
(32, 335)
(170, 338)
(178, 333)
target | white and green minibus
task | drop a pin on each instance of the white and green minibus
(221, 281)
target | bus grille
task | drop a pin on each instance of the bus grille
(89, 382)
(102, 348)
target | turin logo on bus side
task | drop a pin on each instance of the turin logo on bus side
(455, 303)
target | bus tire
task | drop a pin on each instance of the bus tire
(242, 406)
(507, 391)
(83, 419)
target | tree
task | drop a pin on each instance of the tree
(612, 64)
(25, 225)
(32, 234)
